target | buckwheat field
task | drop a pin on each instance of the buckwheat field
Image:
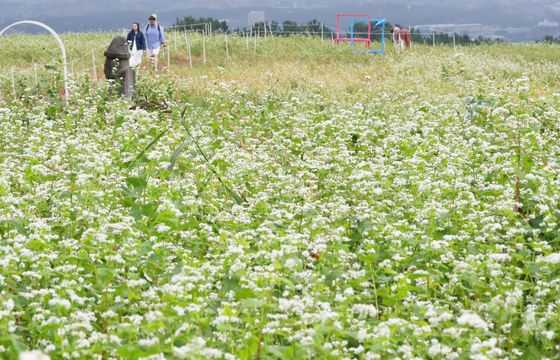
(291, 200)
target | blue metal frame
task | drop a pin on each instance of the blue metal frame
(376, 23)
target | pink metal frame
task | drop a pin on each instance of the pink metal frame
(340, 39)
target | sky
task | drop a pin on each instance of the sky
(526, 17)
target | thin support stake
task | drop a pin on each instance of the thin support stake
(189, 52)
(227, 48)
(14, 83)
(93, 63)
(203, 48)
(36, 76)
(454, 42)
(175, 38)
(168, 59)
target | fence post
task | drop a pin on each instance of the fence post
(93, 63)
(322, 32)
(227, 47)
(14, 83)
(36, 76)
(433, 37)
(168, 59)
(247, 40)
(454, 42)
(203, 48)
(189, 52)
(175, 38)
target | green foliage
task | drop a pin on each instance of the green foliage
(298, 202)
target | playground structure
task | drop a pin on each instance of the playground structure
(372, 24)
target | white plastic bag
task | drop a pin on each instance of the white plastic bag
(135, 55)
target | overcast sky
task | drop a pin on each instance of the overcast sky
(82, 15)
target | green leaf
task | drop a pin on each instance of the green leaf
(152, 143)
(138, 183)
(176, 154)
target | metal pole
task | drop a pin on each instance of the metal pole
(175, 38)
(247, 40)
(322, 32)
(383, 37)
(433, 37)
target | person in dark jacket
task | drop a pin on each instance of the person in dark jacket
(137, 45)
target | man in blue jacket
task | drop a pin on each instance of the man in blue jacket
(155, 38)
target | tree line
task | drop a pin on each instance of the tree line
(316, 28)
